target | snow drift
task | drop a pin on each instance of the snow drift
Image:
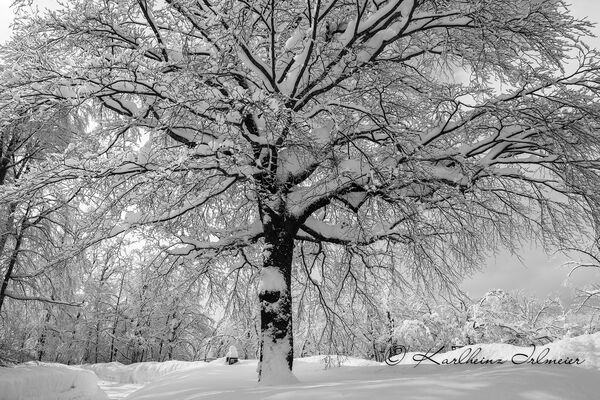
(45, 381)
(151, 371)
(361, 379)
(329, 377)
(140, 372)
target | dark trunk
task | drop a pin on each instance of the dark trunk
(42, 338)
(275, 296)
(11, 266)
(7, 227)
(97, 344)
(113, 350)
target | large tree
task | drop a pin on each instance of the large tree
(30, 220)
(411, 134)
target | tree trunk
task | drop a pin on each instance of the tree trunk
(275, 297)
(113, 350)
(43, 335)
(7, 228)
(11, 266)
(97, 344)
(174, 326)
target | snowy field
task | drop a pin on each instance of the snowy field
(45, 381)
(496, 371)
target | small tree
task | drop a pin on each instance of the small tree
(588, 296)
(415, 335)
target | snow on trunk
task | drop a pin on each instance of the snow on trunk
(276, 341)
(271, 280)
(274, 367)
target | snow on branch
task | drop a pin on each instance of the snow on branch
(307, 199)
(188, 205)
(321, 231)
(15, 296)
(240, 237)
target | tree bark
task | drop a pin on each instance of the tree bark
(43, 335)
(113, 350)
(275, 297)
(10, 268)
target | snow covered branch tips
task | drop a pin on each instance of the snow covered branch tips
(331, 145)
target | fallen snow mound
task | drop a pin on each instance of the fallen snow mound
(46, 381)
(140, 372)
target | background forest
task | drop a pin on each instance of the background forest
(128, 312)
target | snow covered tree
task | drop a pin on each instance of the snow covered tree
(415, 335)
(35, 224)
(589, 259)
(405, 137)
(501, 317)
(24, 138)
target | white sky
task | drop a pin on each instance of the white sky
(537, 273)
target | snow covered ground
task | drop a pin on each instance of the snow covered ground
(492, 371)
(118, 390)
(139, 372)
(45, 381)
(382, 382)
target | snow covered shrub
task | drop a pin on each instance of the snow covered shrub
(414, 334)
(333, 361)
(500, 317)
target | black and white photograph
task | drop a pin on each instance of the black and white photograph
(299, 199)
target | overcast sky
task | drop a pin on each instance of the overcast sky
(535, 272)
